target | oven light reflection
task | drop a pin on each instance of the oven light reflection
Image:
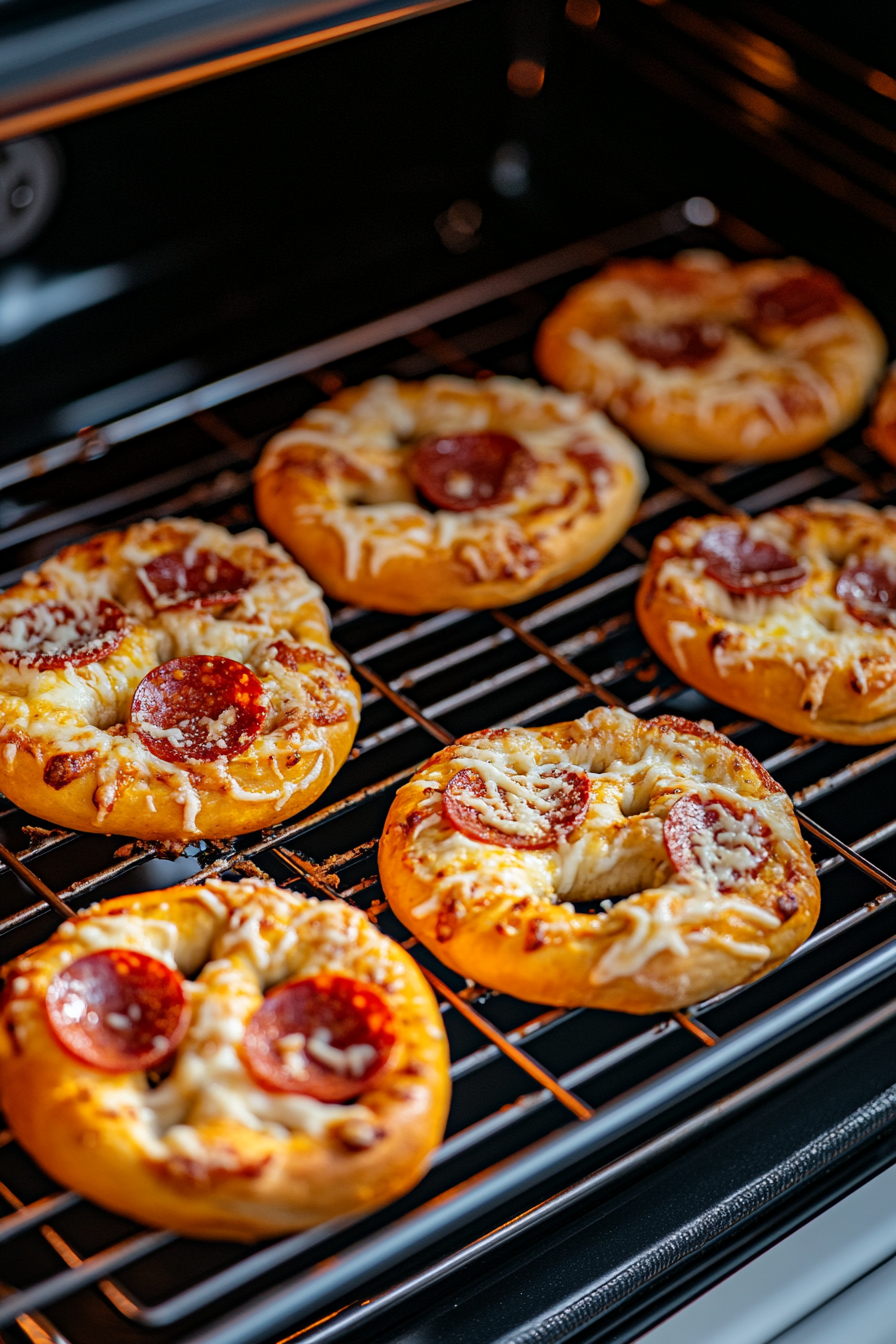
(29, 300)
(583, 13)
(525, 78)
(510, 169)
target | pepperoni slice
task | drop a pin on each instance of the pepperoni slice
(677, 345)
(517, 821)
(198, 709)
(745, 566)
(798, 301)
(118, 1010)
(327, 1037)
(867, 588)
(189, 578)
(62, 634)
(716, 839)
(470, 471)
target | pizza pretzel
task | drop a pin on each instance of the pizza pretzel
(230, 1060)
(170, 682)
(414, 497)
(789, 617)
(690, 848)
(705, 359)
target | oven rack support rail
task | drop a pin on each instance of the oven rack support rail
(590, 1130)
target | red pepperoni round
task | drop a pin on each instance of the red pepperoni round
(867, 588)
(798, 301)
(189, 578)
(716, 839)
(198, 709)
(118, 1010)
(745, 566)
(567, 792)
(62, 634)
(470, 471)
(327, 1037)
(678, 345)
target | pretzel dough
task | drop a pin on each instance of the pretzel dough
(701, 843)
(881, 433)
(336, 488)
(704, 359)
(818, 659)
(208, 1151)
(90, 731)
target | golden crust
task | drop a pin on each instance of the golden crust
(335, 489)
(771, 391)
(881, 433)
(491, 912)
(799, 660)
(177, 1156)
(65, 752)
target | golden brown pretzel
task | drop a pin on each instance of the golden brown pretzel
(530, 488)
(169, 682)
(219, 1148)
(704, 359)
(488, 846)
(789, 617)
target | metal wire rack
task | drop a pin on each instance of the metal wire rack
(540, 1094)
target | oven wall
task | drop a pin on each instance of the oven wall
(213, 228)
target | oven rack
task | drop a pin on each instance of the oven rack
(537, 1093)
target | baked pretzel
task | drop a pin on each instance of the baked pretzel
(230, 1060)
(690, 847)
(790, 617)
(704, 359)
(169, 682)
(881, 433)
(522, 488)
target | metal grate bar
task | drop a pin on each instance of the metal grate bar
(851, 855)
(694, 487)
(81, 1275)
(24, 873)
(411, 710)
(525, 1061)
(26, 1215)
(559, 660)
(846, 776)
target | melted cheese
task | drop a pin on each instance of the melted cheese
(530, 794)
(729, 849)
